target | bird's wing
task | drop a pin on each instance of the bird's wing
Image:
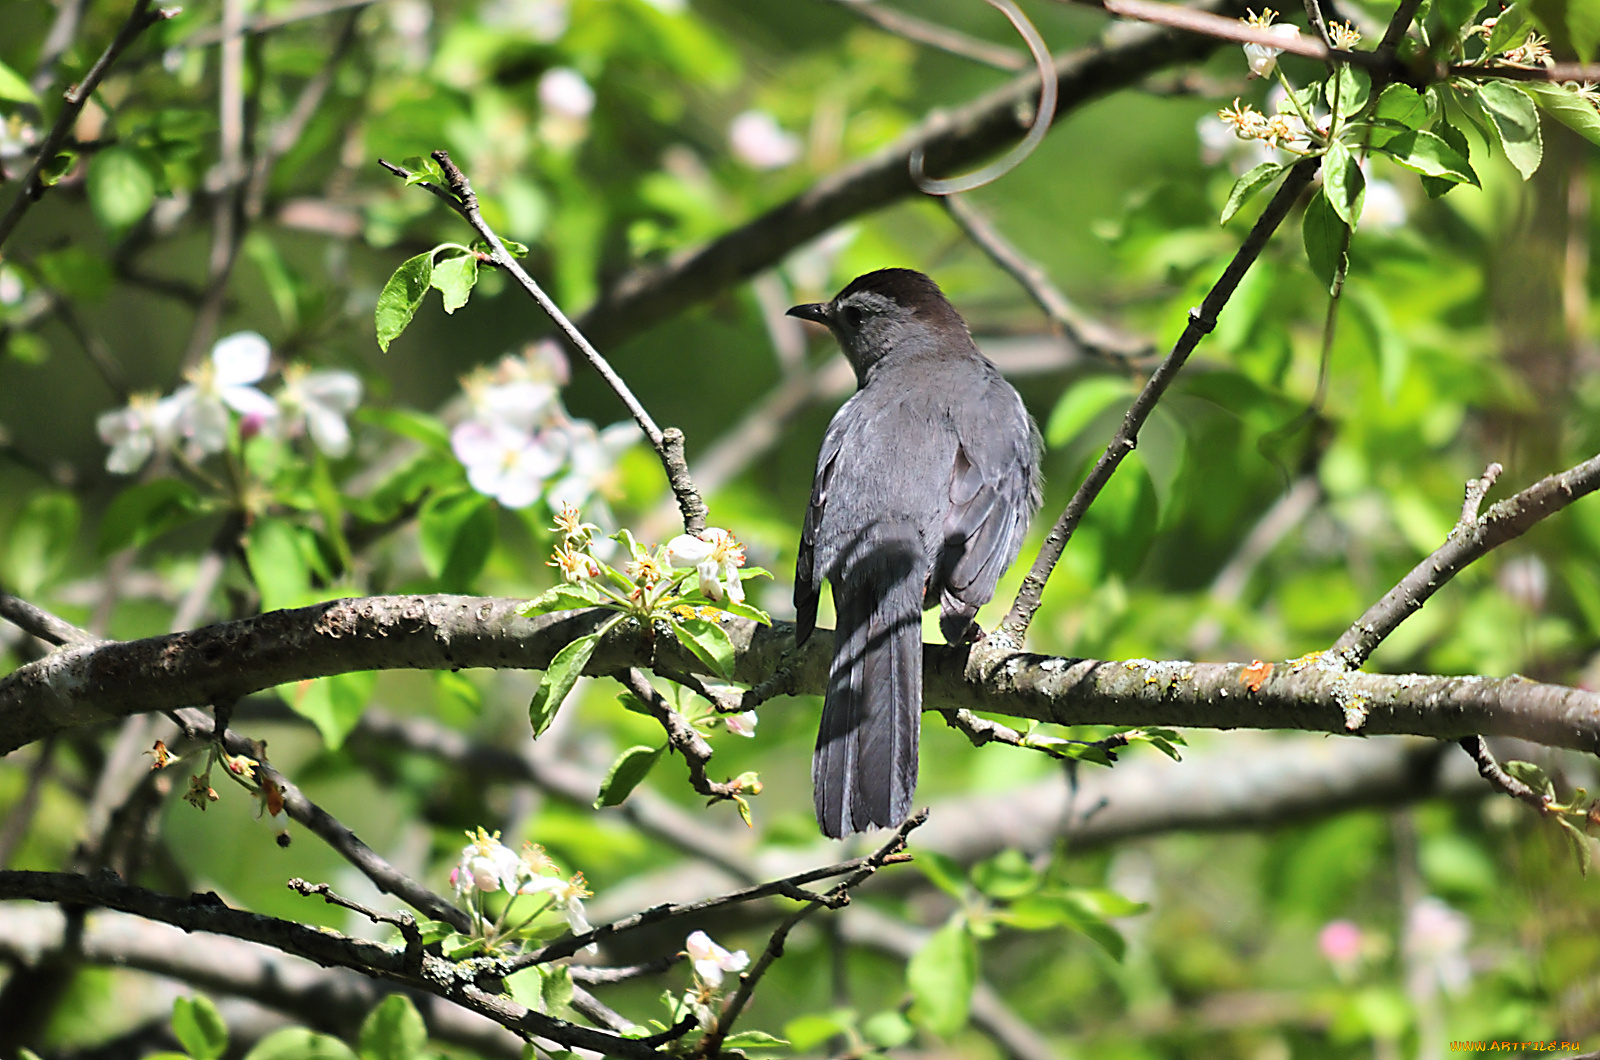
(807, 578)
(993, 493)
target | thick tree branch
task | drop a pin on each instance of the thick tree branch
(223, 662)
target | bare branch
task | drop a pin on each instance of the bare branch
(683, 737)
(330, 829)
(788, 887)
(1014, 627)
(1478, 748)
(41, 623)
(839, 895)
(207, 912)
(1470, 540)
(1089, 335)
(141, 18)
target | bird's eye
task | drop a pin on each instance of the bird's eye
(852, 316)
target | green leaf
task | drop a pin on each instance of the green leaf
(454, 278)
(1403, 105)
(631, 767)
(1564, 105)
(943, 871)
(143, 512)
(1085, 400)
(398, 301)
(14, 89)
(809, 1032)
(58, 167)
(1081, 910)
(755, 1040)
(408, 423)
(121, 188)
(709, 643)
(1327, 241)
(1245, 188)
(1345, 185)
(76, 271)
(555, 989)
(1532, 775)
(393, 1030)
(199, 1028)
(1580, 844)
(1516, 120)
(1424, 152)
(333, 704)
(1510, 30)
(744, 610)
(1348, 89)
(1005, 876)
(297, 1043)
(39, 541)
(563, 673)
(456, 532)
(423, 168)
(563, 597)
(276, 551)
(941, 976)
(887, 1030)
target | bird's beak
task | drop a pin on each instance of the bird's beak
(816, 312)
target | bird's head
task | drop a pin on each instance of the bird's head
(891, 313)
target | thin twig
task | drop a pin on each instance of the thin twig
(788, 887)
(932, 34)
(1478, 748)
(1471, 539)
(328, 828)
(668, 444)
(1089, 335)
(139, 19)
(839, 895)
(41, 623)
(582, 973)
(1202, 320)
(267, 23)
(681, 735)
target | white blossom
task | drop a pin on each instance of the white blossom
(134, 433)
(591, 460)
(1382, 209)
(317, 402)
(760, 142)
(505, 463)
(11, 286)
(568, 896)
(712, 961)
(564, 92)
(1263, 58)
(223, 383)
(486, 865)
(716, 557)
(741, 724)
(543, 20)
(1436, 948)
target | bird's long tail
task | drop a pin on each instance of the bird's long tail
(865, 768)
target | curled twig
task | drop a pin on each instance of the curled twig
(1041, 119)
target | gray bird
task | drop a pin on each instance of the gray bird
(925, 484)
